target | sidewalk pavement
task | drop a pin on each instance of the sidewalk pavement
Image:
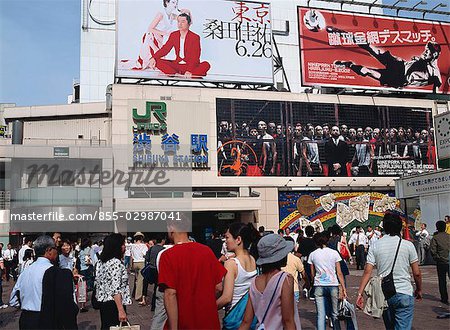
(425, 312)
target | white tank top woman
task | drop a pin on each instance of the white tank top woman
(241, 283)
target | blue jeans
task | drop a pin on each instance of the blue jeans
(327, 295)
(127, 261)
(400, 312)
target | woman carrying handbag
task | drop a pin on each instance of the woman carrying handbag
(111, 282)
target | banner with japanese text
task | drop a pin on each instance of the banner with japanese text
(209, 41)
(357, 50)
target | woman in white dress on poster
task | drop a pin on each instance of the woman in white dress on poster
(164, 23)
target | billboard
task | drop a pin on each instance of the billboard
(213, 40)
(356, 50)
(442, 123)
(346, 209)
(273, 138)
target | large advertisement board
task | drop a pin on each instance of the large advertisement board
(442, 123)
(346, 209)
(356, 50)
(213, 40)
(273, 138)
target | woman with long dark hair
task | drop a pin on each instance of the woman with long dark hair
(240, 270)
(111, 282)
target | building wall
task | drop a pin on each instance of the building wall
(266, 186)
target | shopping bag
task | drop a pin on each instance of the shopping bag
(127, 326)
(81, 288)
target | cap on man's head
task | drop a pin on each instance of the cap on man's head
(434, 47)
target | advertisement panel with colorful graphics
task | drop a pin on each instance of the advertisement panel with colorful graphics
(325, 209)
(214, 40)
(356, 50)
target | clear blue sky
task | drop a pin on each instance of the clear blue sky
(40, 48)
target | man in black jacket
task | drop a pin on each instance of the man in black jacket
(45, 292)
(336, 152)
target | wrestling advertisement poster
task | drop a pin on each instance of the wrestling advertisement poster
(373, 52)
(194, 40)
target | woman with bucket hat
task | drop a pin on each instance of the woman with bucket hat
(272, 293)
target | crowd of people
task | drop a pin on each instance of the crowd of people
(258, 277)
(318, 150)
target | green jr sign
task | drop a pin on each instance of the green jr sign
(153, 110)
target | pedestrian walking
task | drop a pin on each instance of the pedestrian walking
(138, 251)
(294, 266)
(27, 246)
(424, 243)
(153, 256)
(400, 311)
(271, 297)
(189, 272)
(9, 257)
(305, 247)
(440, 247)
(2, 270)
(43, 292)
(111, 282)
(241, 269)
(127, 256)
(359, 239)
(86, 268)
(327, 274)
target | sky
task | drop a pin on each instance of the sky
(40, 48)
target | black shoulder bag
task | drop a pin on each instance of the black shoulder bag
(387, 283)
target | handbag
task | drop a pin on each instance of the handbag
(150, 273)
(94, 302)
(387, 283)
(233, 318)
(343, 251)
(127, 326)
(261, 324)
(81, 288)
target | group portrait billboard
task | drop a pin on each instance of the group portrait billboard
(278, 138)
(359, 50)
(195, 40)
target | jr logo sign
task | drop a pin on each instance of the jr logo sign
(143, 122)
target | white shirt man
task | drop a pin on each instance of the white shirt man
(360, 240)
(22, 250)
(424, 242)
(9, 254)
(372, 236)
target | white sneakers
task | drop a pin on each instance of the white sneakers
(3, 306)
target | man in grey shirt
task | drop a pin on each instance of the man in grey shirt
(400, 311)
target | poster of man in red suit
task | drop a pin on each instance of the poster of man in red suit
(187, 49)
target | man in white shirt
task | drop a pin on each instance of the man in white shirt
(28, 245)
(372, 235)
(27, 293)
(8, 260)
(424, 243)
(359, 239)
